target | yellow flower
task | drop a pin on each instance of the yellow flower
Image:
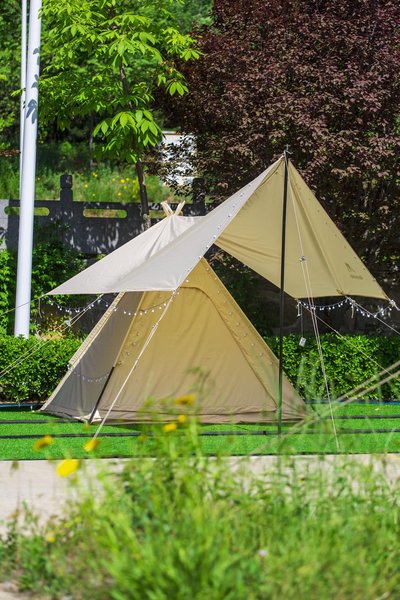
(46, 440)
(169, 427)
(68, 467)
(50, 537)
(85, 186)
(186, 400)
(182, 419)
(119, 194)
(94, 174)
(122, 180)
(91, 445)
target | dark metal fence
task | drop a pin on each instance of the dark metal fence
(88, 227)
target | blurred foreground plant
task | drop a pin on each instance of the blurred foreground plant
(184, 525)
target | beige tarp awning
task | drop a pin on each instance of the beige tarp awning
(319, 261)
(109, 274)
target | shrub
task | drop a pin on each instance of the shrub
(349, 361)
(30, 369)
(52, 264)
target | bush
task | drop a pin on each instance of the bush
(349, 361)
(30, 369)
(52, 264)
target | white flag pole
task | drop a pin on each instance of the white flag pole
(25, 239)
(24, 16)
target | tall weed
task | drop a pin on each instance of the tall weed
(182, 525)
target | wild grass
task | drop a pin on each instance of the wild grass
(182, 525)
(97, 183)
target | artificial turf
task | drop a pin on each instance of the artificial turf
(314, 437)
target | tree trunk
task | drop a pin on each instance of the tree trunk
(143, 195)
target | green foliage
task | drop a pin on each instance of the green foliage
(183, 526)
(106, 58)
(349, 361)
(52, 264)
(30, 369)
(7, 286)
(103, 182)
(192, 14)
(9, 71)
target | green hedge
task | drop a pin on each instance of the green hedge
(34, 377)
(349, 361)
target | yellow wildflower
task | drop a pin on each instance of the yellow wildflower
(169, 427)
(91, 444)
(46, 440)
(122, 180)
(185, 400)
(182, 419)
(85, 186)
(68, 467)
(94, 174)
(119, 194)
(50, 537)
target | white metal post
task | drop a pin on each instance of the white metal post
(24, 16)
(25, 239)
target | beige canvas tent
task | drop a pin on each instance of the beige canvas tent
(202, 328)
(167, 258)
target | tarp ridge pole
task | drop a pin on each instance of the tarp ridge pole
(282, 291)
(25, 235)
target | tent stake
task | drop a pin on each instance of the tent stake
(282, 291)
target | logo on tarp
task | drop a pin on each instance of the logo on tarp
(352, 272)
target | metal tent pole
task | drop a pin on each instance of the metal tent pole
(282, 291)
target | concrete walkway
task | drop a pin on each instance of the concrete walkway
(36, 485)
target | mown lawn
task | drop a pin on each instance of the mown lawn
(361, 428)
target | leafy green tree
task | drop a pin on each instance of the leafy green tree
(192, 14)
(10, 19)
(106, 58)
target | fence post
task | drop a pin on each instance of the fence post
(66, 193)
(198, 196)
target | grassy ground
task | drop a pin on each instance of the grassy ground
(20, 429)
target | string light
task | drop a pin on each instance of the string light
(107, 304)
(355, 308)
(89, 379)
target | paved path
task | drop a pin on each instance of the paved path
(35, 483)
